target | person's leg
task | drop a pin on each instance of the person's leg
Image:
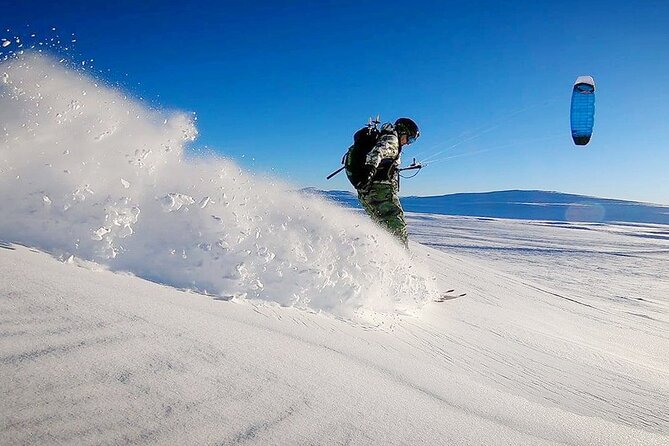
(383, 205)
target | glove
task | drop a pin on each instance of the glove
(366, 184)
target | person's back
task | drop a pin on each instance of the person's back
(378, 185)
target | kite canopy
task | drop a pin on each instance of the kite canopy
(582, 110)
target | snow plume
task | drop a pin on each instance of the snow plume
(85, 171)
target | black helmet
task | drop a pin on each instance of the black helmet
(408, 127)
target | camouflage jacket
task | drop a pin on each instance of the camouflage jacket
(384, 158)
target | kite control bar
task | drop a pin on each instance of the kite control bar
(412, 166)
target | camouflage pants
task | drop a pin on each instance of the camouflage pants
(381, 201)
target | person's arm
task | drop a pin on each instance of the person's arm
(386, 148)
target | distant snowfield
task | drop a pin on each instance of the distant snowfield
(602, 264)
(309, 324)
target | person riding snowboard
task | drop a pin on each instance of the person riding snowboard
(372, 165)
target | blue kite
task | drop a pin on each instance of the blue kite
(583, 110)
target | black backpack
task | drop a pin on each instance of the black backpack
(364, 141)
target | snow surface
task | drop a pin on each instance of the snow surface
(317, 327)
(92, 357)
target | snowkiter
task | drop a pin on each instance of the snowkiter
(374, 172)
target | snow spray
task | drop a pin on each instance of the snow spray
(89, 172)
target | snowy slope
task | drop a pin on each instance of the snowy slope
(89, 356)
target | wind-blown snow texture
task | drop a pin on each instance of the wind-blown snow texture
(85, 171)
(91, 357)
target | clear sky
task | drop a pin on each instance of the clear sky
(281, 86)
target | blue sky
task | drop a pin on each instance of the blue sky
(281, 86)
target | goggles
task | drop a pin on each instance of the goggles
(411, 139)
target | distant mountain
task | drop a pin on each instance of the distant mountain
(524, 204)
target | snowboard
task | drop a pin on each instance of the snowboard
(449, 295)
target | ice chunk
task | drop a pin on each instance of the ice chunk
(175, 201)
(100, 233)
